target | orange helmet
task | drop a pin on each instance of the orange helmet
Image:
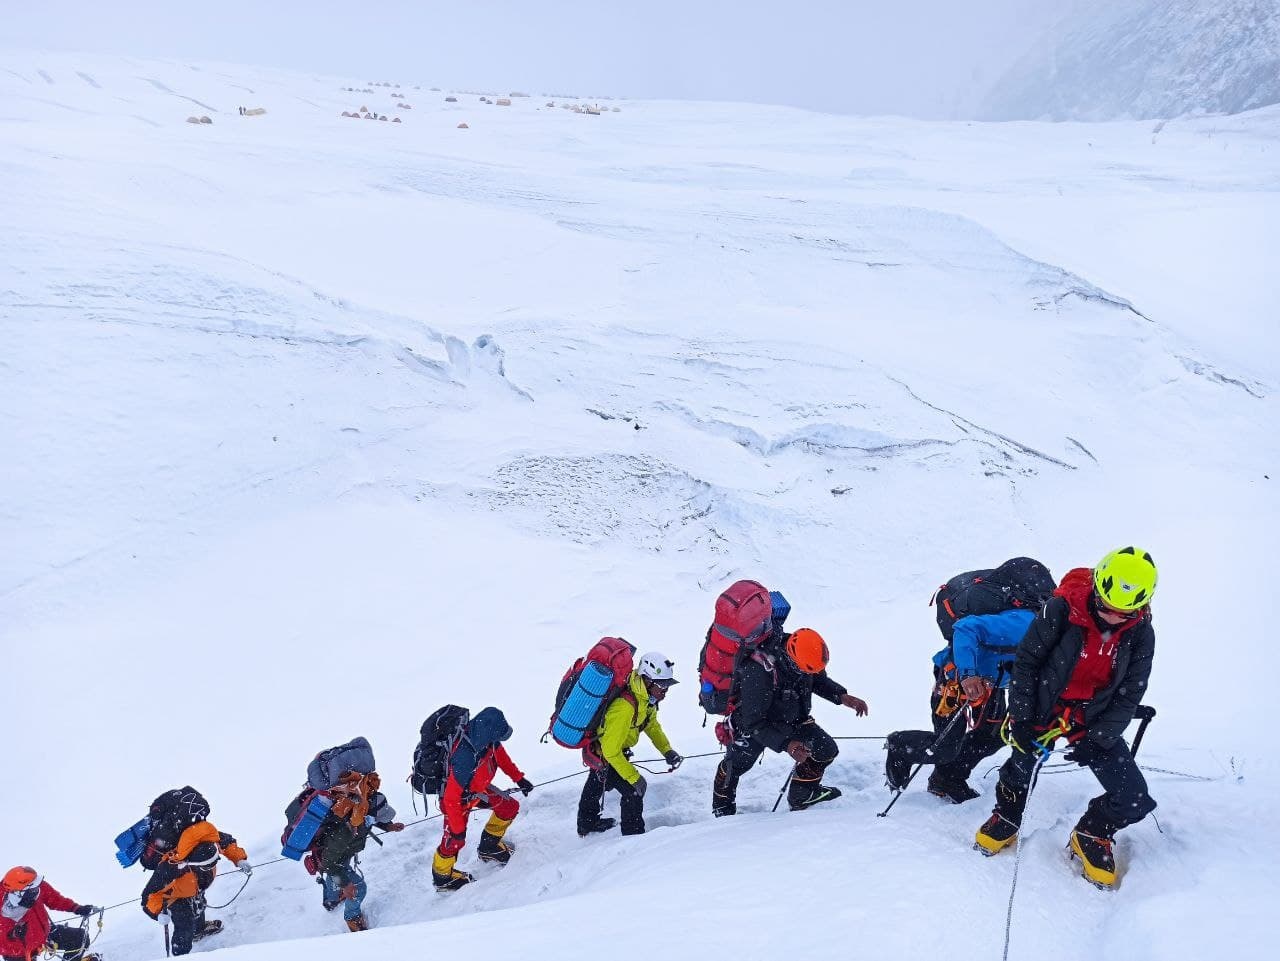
(19, 878)
(808, 650)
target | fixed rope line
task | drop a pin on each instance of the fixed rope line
(407, 824)
(435, 817)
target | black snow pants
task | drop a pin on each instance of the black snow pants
(742, 754)
(592, 801)
(187, 915)
(1124, 800)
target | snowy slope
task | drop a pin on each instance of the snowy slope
(1138, 59)
(316, 423)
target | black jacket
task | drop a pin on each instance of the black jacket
(1048, 654)
(774, 697)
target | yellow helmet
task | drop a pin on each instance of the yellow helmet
(1126, 579)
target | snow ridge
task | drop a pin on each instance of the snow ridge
(1147, 59)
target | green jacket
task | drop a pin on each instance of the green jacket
(622, 724)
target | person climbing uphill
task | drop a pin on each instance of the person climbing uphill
(477, 758)
(25, 926)
(329, 823)
(633, 711)
(971, 674)
(1080, 673)
(773, 691)
(182, 852)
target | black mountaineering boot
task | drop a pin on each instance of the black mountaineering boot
(896, 769)
(952, 789)
(724, 792)
(493, 849)
(810, 794)
(598, 826)
(210, 928)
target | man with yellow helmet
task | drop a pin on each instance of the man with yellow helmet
(1081, 672)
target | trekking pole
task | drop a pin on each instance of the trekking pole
(1146, 713)
(1017, 853)
(928, 755)
(166, 941)
(785, 784)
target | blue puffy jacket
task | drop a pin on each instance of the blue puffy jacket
(982, 642)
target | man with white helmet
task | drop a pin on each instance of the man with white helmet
(632, 711)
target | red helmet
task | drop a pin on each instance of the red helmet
(19, 878)
(808, 650)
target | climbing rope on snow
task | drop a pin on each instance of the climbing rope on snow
(1017, 852)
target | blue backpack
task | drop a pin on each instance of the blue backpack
(305, 815)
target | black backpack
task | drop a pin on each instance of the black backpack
(440, 734)
(1018, 582)
(171, 813)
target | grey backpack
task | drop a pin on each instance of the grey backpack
(328, 766)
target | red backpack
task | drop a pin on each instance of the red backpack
(743, 620)
(587, 689)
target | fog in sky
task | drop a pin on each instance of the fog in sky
(927, 58)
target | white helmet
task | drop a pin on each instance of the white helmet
(657, 668)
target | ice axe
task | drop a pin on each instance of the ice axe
(1145, 713)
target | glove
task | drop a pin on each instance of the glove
(1084, 752)
(392, 827)
(525, 786)
(84, 910)
(1022, 737)
(673, 759)
(640, 786)
(799, 751)
(975, 688)
(246, 868)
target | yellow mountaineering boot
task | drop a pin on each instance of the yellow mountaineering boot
(445, 876)
(1091, 843)
(492, 848)
(996, 834)
(1001, 829)
(1097, 862)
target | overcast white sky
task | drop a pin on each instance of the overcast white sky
(920, 57)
